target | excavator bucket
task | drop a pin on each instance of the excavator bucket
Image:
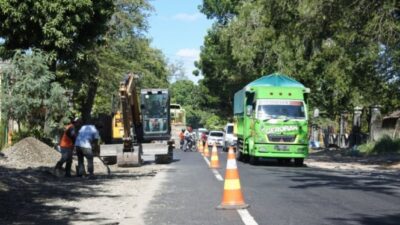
(129, 159)
(162, 151)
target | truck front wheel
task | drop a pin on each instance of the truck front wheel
(299, 162)
(239, 155)
(253, 160)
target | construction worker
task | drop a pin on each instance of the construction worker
(182, 138)
(67, 146)
(87, 139)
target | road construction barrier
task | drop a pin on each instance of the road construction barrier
(214, 158)
(232, 197)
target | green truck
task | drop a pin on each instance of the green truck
(271, 120)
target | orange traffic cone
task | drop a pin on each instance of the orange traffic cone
(200, 147)
(214, 158)
(206, 151)
(232, 197)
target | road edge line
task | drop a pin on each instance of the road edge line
(217, 175)
(207, 161)
(247, 218)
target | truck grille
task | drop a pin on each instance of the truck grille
(281, 138)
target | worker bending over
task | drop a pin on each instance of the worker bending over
(88, 139)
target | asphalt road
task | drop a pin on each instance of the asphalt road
(278, 195)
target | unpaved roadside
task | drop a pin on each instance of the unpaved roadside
(121, 198)
(337, 159)
(35, 195)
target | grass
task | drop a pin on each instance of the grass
(385, 145)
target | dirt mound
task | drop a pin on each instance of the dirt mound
(30, 152)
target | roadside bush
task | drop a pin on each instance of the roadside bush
(384, 145)
(36, 133)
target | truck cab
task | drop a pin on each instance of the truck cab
(271, 119)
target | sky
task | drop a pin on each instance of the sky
(177, 28)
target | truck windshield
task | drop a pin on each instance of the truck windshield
(217, 134)
(276, 109)
(155, 113)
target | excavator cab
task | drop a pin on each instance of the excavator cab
(156, 124)
(142, 125)
(155, 114)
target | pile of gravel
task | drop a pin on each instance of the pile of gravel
(30, 152)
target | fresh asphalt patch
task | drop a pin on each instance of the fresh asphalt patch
(190, 195)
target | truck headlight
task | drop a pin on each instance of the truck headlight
(263, 149)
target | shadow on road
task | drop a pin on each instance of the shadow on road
(26, 195)
(275, 163)
(391, 219)
(383, 183)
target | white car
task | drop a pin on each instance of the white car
(217, 137)
(230, 138)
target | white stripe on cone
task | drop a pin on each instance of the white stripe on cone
(231, 164)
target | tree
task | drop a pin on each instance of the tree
(29, 93)
(195, 99)
(126, 50)
(176, 71)
(333, 47)
(62, 28)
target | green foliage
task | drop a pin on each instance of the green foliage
(346, 52)
(3, 133)
(196, 100)
(222, 10)
(186, 93)
(63, 28)
(36, 133)
(214, 122)
(384, 145)
(29, 94)
(126, 50)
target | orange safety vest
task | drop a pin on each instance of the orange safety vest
(66, 142)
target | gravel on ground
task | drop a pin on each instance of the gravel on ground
(31, 193)
(345, 159)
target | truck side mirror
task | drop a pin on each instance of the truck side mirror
(249, 110)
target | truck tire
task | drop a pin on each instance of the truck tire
(239, 156)
(253, 160)
(299, 162)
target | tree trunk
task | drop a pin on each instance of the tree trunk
(88, 102)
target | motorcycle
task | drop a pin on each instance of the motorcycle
(190, 143)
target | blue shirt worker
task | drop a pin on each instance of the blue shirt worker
(88, 138)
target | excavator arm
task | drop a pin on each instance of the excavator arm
(129, 99)
(130, 108)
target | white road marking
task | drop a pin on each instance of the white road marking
(207, 161)
(217, 175)
(246, 217)
(244, 214)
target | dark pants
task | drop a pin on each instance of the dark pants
(88, 153)
(66, 157)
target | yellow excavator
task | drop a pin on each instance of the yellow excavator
(142, 126)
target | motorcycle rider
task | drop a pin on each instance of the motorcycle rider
(188, 138)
